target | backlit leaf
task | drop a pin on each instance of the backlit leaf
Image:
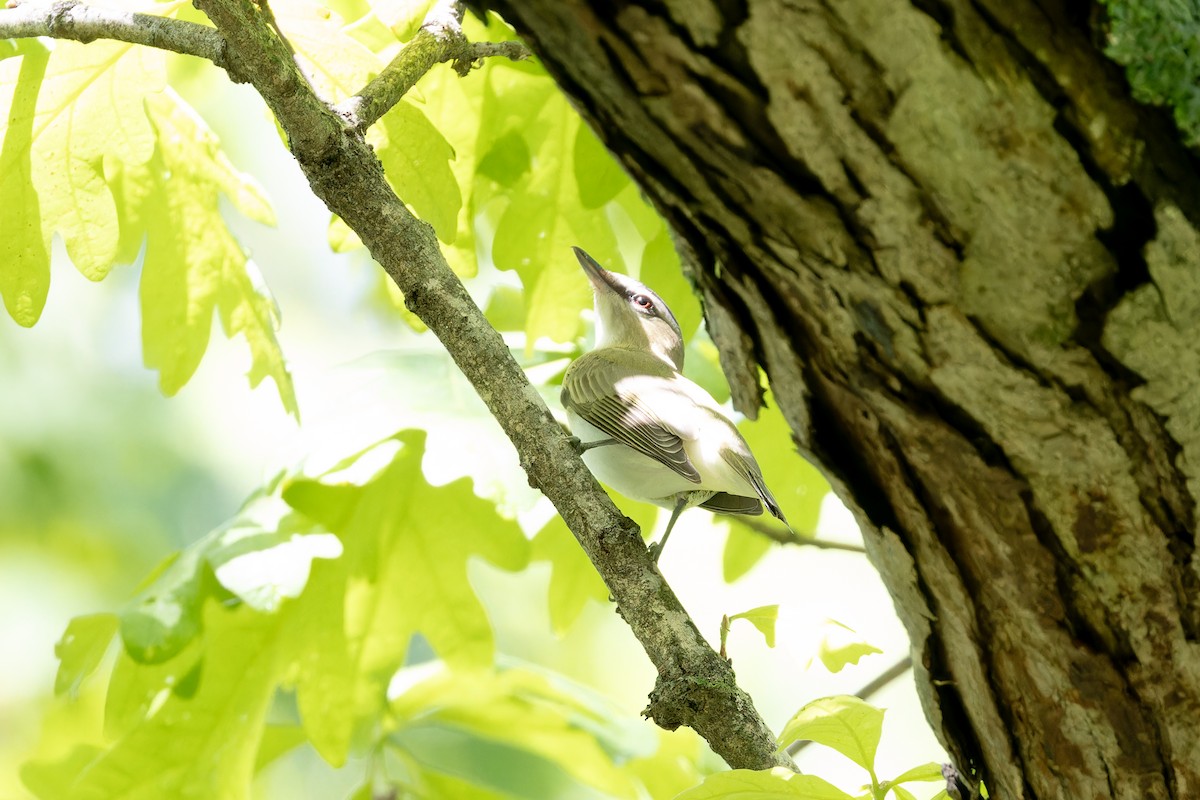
(404, 571)
(597, 172)
(743, 549)
(797, 485)
(193, 265)
(67, 113)
(928, 773)
(841, 646)
(779, 783)
(80, 649)
(763, 618)
(202, 744)
(573, 579)
(844, 722)
(544, 218)
(515, 730)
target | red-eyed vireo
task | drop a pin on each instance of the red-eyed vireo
(644, 429)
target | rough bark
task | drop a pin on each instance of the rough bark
(968, 263)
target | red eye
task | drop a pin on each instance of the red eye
(641, 301)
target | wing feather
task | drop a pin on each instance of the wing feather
(748, 468)
(593, 388)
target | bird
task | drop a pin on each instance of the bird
(644, 429)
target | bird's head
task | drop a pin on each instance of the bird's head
(629, 314)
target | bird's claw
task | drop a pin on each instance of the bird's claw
(655, 549)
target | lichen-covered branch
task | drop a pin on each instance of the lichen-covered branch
(80, 22)
(440, 39)
(695, 687)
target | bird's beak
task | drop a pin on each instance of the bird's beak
(600, 278)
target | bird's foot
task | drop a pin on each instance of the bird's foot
(583, 447)
(655, 550)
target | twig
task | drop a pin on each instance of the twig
(695, 686)
(71, 19)
(440, 39)
(870, 688)
(786, 536)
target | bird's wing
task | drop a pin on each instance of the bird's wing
(747, 467)
(619, 401)
(726, 503)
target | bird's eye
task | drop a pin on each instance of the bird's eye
(643, 302)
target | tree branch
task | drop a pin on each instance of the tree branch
(787, 536)
(440, 39)
(80, 22)
(695, 686)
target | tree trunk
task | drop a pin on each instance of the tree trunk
(970, 266)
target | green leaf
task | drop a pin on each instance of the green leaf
(924, 773)
(544, 217)
(404, 571)
(797, 485)
(779, 782)
(102, 167)
(165, 618)
(837, 650)
(597, 173)
(24, 248)
(508, 159)
(763, 618)
(743, 549)
(335, 62)
(416, 160)
(83, 117)
(276, 741)
(388, 391)
(262, 556)
(573, 579)
(136, 688)
(902, 793)
(415, 155)
(662, 271)
(53, 780)
(202, 745)
(80, 649)
(193, 265)
(414, 569)
(703, 365)
(674, 766)
(516, 731)
(844, 722)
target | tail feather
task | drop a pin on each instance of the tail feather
(726, 503)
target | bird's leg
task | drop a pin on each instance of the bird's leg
(657, 548)
(583, 447)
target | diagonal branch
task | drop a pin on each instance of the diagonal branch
(787, 536)
(695, 686)
(80, 22)
(440, 39)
